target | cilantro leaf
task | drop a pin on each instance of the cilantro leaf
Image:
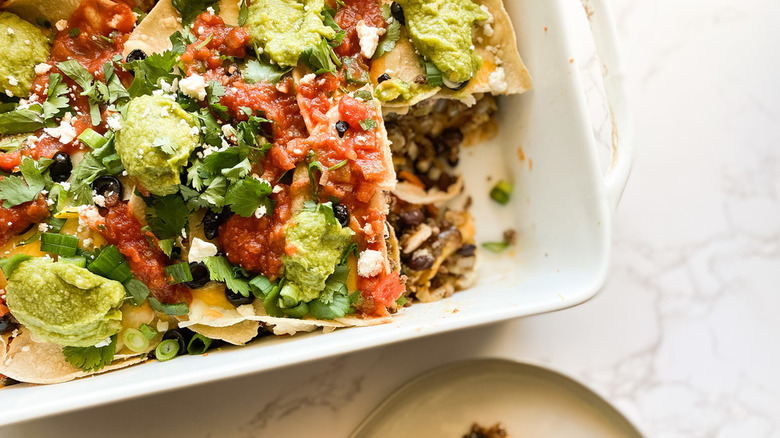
(56, 99)
(256, 71)
(247, 195)
(22, 120)
(166, 215)
(137, 291)
(15, 190)
(150, 70)
(333, 301)
(90, 358)
(165, 144)
(367, 124)
(319, 58)
(388, 39)
(190, 9)
(243, 13)
(328, 19)
(220, 269)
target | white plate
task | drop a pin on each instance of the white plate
(561, 210)
(529, 401)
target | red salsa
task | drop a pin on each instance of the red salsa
(146, 261)
(17, 219)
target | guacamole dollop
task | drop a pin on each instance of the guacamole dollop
(155, 141)
(63, 303)
(24, 46)
(397, 91)
(441, 31)
(319, 247)
(285, 28)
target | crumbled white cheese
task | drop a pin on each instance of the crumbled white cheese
(194, 86)
(43, 227)
(199, 249)
(194, 131)
(369, 38)
(99, 200)
(89, 216)
(61, 25)
(65, 185)
(229, 133)
(308, 78)
(487, 29)
(260, 212)
(169, 88)
(12, 80)
(370, 263)
(497, 80)
(87, 242)
(42, 69)
(10, 31)
(65, 132)
(104, 343)
(277, 189)
(114, 122)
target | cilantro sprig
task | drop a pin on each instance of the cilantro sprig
(15, 190)
(91, 358)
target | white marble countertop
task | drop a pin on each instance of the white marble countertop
(682, 338)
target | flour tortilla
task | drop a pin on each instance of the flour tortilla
(53, 11)
(33, 362)
(153, 34)
(499, 50)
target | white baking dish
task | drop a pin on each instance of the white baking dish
(561, 209)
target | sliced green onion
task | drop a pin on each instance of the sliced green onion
(169, 309)
(135, 340)
(9, 265)
(81, 262)
(110, 263)
(500, 193)
(338, 165)
(271, 302)
(167, 350)
(178, 273)
(147, 331)
(433, 74)
(298, 311)
(261, 285)
(60, 244)
(74, 33)
(401, 301)
(495, 246)
(199, 344)
(137, 290)
(33, 237)
(92, 139)
(55, 224)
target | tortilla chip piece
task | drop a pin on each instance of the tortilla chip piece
(236, 334)
(153, 34)
(32, 362)
(497, 47)
(415, 194)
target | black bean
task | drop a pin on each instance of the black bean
(237, 299)
(212, 221)
(450, 138)
(61, 167)
(176, 253)
(109, 187)
(7, 323)
(182, 336)
(341, 128)
(383, 77)
(412, 217)
(420, 261)
(136, 55)
(398, 13)
(444, 182)
(200, 275)
(467, 250)
(342, 214)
